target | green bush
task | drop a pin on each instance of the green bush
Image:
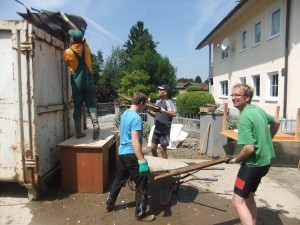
(189, 102)
(154, 97)
(193, 88)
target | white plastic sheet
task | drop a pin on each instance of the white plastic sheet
(177, 135)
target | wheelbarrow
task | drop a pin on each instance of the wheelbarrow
(171, 174)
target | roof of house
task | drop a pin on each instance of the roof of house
(227, 19)
(185, 85)
(182, 85)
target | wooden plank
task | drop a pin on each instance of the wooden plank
(224, 117)
(187, 169)
(279, 137)
(297, 130)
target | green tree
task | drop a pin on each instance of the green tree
(114, 66)
(136, 81)
(100, 60)
(198, 79)
(95, 68)
(139, 40)
(159, 69)
(97, 65)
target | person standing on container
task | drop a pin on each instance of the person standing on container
(131, 159)
(78, 58)
(256, 130)
(163, 121)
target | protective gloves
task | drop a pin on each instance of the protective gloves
(144, 168)
(231, 159)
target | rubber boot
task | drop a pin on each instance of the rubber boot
(79, 134)
(94, 118)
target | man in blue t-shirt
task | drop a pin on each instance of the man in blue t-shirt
(131, 159)
(163, 122)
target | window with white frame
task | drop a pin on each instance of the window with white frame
(274, 22)
(256, 33)
(224, 88)
(256, 85)
(223, 54)
(243, 80)
(243, 40)
(273, 88)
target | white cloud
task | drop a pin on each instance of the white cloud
(99, 31)
(209, 14)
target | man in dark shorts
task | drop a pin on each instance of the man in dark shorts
(163, 122)
(255, 135)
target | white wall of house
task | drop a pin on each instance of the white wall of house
(264, 59)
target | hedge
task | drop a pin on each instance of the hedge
(189, 102)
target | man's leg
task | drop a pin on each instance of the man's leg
(163, 151)
(78, 102)
(246, 184)
(252, 206)
(164, 141)
(154, 149)
(89, 98)
(119, 182)
(141, 193)
(242, 207)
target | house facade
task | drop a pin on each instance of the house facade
(258, 43)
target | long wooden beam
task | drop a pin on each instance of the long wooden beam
(187, 169)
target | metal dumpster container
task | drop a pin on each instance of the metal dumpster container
(35, 104)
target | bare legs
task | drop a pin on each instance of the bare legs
(246, 208)
(163, 151)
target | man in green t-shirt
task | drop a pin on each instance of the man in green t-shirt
(255, 135)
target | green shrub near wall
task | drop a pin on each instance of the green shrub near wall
(193, 88)
(189, 103)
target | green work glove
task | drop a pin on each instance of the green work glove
(144, 168)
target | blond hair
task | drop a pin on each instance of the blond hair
(248, 91)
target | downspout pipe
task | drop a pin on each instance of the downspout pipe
(209, 68)
(286, 55)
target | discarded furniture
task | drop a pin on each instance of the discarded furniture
(86, 164)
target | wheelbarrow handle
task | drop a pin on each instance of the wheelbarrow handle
(187, 169)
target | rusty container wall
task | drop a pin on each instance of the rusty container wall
(35, 103)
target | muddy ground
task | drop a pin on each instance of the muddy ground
(189, 205)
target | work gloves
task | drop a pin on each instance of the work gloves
(144, 168)
(232, 160)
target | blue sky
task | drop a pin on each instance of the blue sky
(178, 25)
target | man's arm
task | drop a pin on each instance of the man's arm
(66, 19)
(137, 146)
(274, 127)
(169, 113)
(245, 153)
(151, 113)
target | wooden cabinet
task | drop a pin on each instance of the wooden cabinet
(87, 164)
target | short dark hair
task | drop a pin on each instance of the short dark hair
(138, 98)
